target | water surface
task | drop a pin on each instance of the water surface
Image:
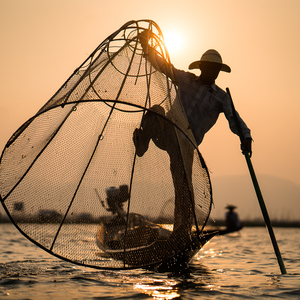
(238, 266)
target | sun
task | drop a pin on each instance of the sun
(174, 41)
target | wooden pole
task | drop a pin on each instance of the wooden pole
(258, 191)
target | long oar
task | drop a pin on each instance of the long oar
(257, 190)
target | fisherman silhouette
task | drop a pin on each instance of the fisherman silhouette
(232, 220)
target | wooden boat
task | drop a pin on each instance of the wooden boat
(147, 244)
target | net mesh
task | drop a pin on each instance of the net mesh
(107, 173)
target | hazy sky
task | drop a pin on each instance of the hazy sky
(43, 42)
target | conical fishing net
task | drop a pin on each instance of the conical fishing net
(107, 173)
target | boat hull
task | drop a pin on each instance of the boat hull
(156, 250)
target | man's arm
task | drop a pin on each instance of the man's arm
(247, 141)
(153, 56)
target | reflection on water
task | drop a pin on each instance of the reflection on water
(238, 266)
(159, 289)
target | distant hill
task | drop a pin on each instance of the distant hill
(280, 196)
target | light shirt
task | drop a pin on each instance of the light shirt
(203, 104)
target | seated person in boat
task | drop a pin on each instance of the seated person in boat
(232, 220)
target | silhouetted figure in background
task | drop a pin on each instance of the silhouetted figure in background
(116, 197)
(232, 220)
